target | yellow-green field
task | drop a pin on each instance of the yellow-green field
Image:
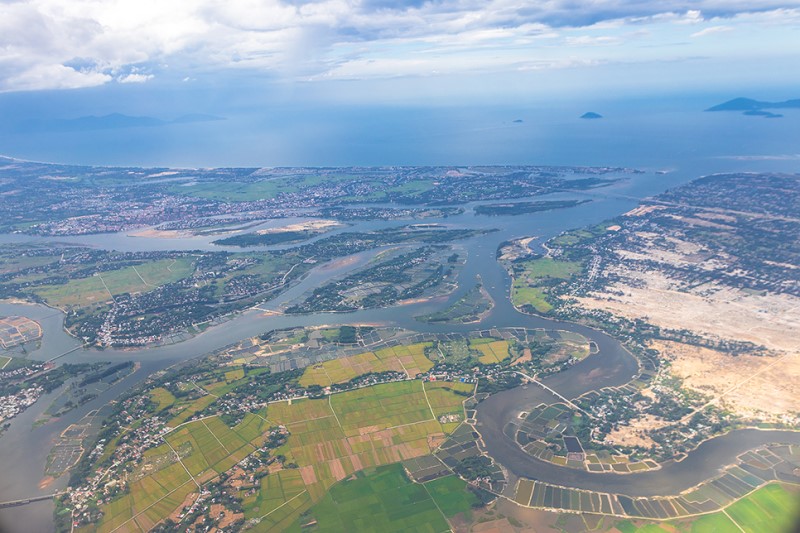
(276, 504)
(773, 508)
(329, 440)
(332, 438)
(162, 397)
(207, 447)
(409, 359)
(233, 375)
(191, 408)
(101, 287)
(491, 352)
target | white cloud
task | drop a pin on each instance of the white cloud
(711, 31)
(47, 44)
(135, 78)
(53, 77)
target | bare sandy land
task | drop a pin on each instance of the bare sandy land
(309, 225)
(758, 387)
(16, 301)
(634, 433)
(516, 249)
(340, 263)
(771, 320)
(153, 233)
(643, 210)
(429, 299)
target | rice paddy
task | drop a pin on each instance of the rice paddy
(383, 499)
(744, 493)
(329, 440)
(492, 351)
(101, 287)
(162, 397)
(770, 509)
(409, 359)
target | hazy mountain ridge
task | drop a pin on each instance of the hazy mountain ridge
(750, 106)
(110, 121)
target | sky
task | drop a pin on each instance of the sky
(384, 51)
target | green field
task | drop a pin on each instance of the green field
(153, 496)
(521, 295)
(275, 490)
(233, 375)
(391, 405)
(774, 508)
(329, 440)
(335, 437)
(4, 361)
(769, 509)
(162, 397)
(99, 288)
(207, 447)
(213, 446)
(409, 359)
(384, 500)
(529, 287)
(237, 192)
(713, 523)
(451, 495)
(192, 408)
(252, 190)
(492, 352)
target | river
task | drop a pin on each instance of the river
(24, 450)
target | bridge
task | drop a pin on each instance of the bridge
(25, 501)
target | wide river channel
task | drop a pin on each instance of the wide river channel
(24, 448)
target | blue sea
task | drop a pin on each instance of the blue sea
(671, 134)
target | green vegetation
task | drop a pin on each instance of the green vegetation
(383, 499)
(404, 276)
(491, 350)
(714, 523)
(465, 310)
(523, 208)
(390, 405)
(770, 509)
(266, 239)
(533, 278)
(102, 286)
(274, 491)
(452, 495)
(162, 397)
(237, 192)
(409, 359)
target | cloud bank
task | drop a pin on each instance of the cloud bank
(65, 44)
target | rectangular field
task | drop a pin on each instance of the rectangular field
(102, 286)
(409, 359)
(380, 500)
(328, 441)
(491, 352)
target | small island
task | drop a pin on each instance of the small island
(524, 208)
(757, 108)
(591, 115)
